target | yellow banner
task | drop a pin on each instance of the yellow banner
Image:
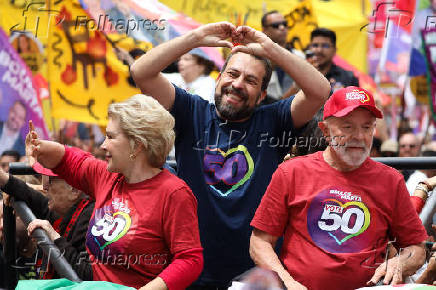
(301, 20)
(83, 72)
(345, 17)
(26, 25)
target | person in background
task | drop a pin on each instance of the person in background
(193, 76)
(7, 157)
(408, 146)
(143, 215)
(10, 137)
(275, 26)
(389, 148)
(63, 212)
(323, 45)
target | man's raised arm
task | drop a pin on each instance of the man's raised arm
(315, 88)
(146, 71)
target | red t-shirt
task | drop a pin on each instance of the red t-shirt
(136, 229)
(336, 224)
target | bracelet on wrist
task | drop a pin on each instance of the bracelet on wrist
(429, 187)
(422, 188)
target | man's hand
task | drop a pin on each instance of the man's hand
(250, 41)
(392, 273)
(214, 34)
(409, 260)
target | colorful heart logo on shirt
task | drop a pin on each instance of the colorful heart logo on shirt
(123, 231)
(366, 221)
(111, 231)
(337, 218)
(227, 171)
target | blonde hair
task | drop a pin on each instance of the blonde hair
(142, 119)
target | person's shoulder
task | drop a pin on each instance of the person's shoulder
(384, 170)
(299, 162)
(173, 184)
(343, 71)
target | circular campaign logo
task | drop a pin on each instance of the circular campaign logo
(336, 220)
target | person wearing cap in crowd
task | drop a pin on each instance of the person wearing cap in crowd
(64, 213)
(323, 49)
(389, 148)
(338, 209)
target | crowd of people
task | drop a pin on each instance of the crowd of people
(233, 203)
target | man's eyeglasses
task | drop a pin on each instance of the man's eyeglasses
(276, 25)
(321, 45)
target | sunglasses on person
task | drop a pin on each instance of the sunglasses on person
(321, 45)
(408, 145)
(276, 25)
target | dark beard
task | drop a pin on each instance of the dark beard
(227, 111)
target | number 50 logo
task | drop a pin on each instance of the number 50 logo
(112, 231)
(340, 215)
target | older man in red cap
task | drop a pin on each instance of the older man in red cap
(338, 210)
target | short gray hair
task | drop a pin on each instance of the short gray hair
(146, 121)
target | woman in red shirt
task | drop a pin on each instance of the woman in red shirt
(144, 228)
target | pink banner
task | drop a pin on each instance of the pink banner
(429, 45)
(18, 100)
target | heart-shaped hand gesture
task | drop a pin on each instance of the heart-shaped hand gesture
(244, 38)
(215, 34)
(250, 41)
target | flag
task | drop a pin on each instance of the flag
(17, 89)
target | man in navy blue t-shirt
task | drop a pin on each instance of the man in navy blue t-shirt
(227, 152)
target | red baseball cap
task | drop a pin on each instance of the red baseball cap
(42, 170)
(345, 100)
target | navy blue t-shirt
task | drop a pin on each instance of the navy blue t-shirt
(228, 166)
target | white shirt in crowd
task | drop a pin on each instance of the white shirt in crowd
(204, 86)
(415, 178)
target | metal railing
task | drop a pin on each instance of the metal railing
(60, 264)
(408, 162)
